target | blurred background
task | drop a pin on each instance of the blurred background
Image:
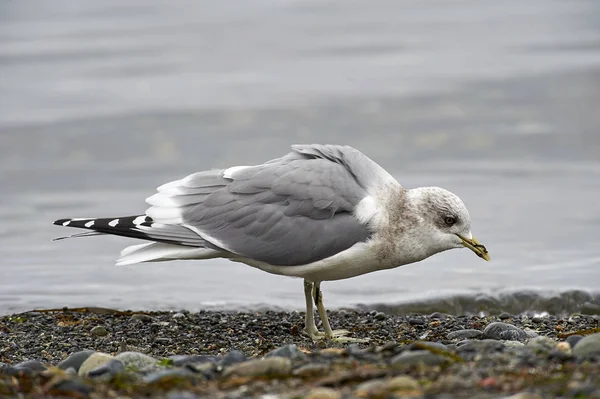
(101, 102)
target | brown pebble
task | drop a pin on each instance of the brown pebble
(324, 393)
(270, 366)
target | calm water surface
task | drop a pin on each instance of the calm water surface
(102, 102)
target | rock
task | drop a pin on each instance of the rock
(484, 345)
(163, 340)
(416, 321)
(32, 365)
(371, 389)
(178, 316)
(75, 360)
(233, 357)
(94, 361)
(465, 334)
(142, 317)
(574, 339)
(563, 347)
(513, 344)
(138, 361)
(99, 331)
(271, 366)
(290, 351)
(380, 316)
(182, 395)
(541, 344)
(167, 376)
(504, 331)
(74, 388)
(435, 346)
(425, 357)
(182, 360)
(109, 369)
(437, 316)
(403, 385)
(323, 393)
(504, 316)
(524, 395)
(312, 370)
(588, 346)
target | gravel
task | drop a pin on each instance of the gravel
(101, 353)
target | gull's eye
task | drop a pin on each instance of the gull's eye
(449, 220)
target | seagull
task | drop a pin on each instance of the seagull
(319, 213)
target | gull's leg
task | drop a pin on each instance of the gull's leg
(310, 328)
(333, 335)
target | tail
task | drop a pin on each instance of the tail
(170, 241)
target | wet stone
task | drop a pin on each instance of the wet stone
(504, 331)
(138, 361)
(75, 360)
(99, 331)
(379, 316)
(504, 316)
(323, 393)
(71, 388)
(542, 344)
(168, 375)
(574, 339)
(271, 366)
(465, 334)
(142, 317)
(94, 361)
(109, 369)
(32, 365)
(233, 357)
(182, 360)
(416, 321)
(588, 346)
(290, 351)
(425, 357)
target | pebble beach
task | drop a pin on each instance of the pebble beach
(105, 353)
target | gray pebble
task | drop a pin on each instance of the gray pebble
(504, 331)
(111, 368)
(380, 316)
(290, 351)
(465, 334)
(32, 365)
(72, 388)
(183, 360)
(425, 357)
(94, 361)
(574, 340)
(159, 376)
(99, 331)
(271, 366)
(504, 316)
(484, 345)
(75, 360)
(588, 346)
(541, 344)
(416, 321)
(178, 316)
(163, 340)
(138, 361)
(142, 317)
(233, 357)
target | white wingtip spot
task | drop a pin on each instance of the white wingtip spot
(66, 223)
(90, 223)
(113, 223)
(139, 220)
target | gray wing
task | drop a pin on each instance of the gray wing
(292, 210)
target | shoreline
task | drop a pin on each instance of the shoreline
(210, 354)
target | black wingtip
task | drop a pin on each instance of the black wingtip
(60, 222)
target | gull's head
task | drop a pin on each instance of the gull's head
(445, 220)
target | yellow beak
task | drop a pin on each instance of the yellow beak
(476, 247)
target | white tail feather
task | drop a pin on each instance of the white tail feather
(157, 252)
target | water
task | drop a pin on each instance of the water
(101, 102)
